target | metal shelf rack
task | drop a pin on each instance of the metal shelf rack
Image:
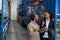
(4, 19)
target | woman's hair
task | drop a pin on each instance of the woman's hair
(32, 16)
(50, 14)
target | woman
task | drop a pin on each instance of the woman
(33, 28)
(48, 27)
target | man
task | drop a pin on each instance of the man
(47, 27)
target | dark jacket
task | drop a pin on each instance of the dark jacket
(50, 26)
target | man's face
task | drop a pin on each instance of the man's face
(47, 15)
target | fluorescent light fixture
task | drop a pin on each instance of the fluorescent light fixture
(0, 4)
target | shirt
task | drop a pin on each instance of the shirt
(46, 33)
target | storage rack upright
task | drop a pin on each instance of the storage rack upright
(57, 19)
(4, 19)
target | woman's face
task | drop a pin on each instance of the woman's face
(36, 17)
(47, 15)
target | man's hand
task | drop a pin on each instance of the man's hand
(46, 29)
(43, 23)
(42, 30)
(51, 31)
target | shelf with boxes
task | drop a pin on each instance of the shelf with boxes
(4, 19)
(25, 8)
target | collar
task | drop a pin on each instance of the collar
(33, 22)
(47, 20)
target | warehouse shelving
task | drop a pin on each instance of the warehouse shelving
(26, 8)
(50, 6)
(34, 6)
(30, 7)
(4, 19)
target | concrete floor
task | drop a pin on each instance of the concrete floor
(16, 32)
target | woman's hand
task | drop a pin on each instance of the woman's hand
(36, 30)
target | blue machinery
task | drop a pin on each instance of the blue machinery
(58, 8)
(57, 15)
(4, 19)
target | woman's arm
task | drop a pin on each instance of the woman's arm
(30, 30)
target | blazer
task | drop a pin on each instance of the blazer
(50, 26)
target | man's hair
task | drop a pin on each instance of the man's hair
(50, 14)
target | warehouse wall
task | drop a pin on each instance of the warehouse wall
(14, 9)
